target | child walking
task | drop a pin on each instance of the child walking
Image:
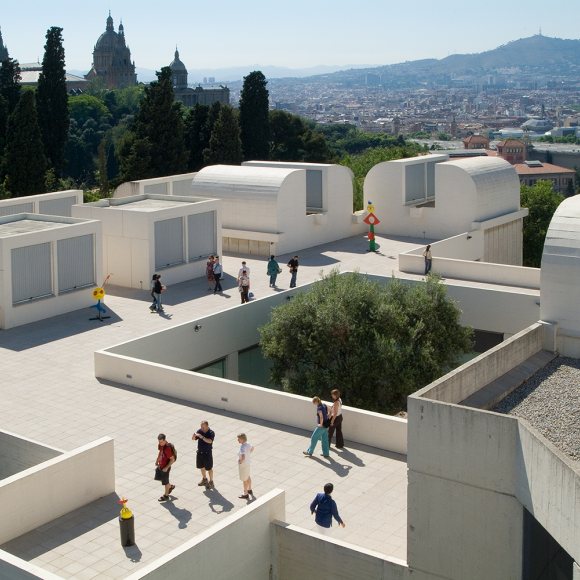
(244, 462)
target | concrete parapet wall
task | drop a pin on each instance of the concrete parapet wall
(55, 487)
(303, 554)
(240, 547)
(18, 453)
(462, 382)
(381, 431)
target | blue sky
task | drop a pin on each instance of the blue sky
(294, 33)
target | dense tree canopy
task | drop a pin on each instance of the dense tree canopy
(541, 201)
(52, 101)
(254, 121)
(225, 145)
(10, 83)
(376, 343)
(25, 161)
(197, 134)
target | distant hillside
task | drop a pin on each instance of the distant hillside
(540, 54)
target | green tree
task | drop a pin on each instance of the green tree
(197, 134)
(158, 128)
(254, 117)
(52, 101)
(225, 146)
(286, 131)
(377, 343)
(25, 160)
(541, 201)
(10, 83)
(85, 107)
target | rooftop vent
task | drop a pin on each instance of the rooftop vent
(534, 163)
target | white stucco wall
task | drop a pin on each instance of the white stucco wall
(129, 238)
(46, 307)
(560, 276)
(471, 190)
(18, 453)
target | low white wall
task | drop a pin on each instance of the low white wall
(303, 554)
(457, 247)
(13, 568)
(238, 547)
(19, 453)
(60, 485)
(76, 196)
(374, 429)
(466, 380)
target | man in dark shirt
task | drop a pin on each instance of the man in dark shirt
(325, 508)
(293, 265)
(204, 459)
(165, 459)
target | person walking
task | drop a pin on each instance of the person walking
(321, 430)
(244, 267)
(244, 462)
(244, 286)
(218, 272)
(325, 509)
(293, 265)
(336, 419)
(273, 270)
(209, 273)
(428, 259)
(204, 458)
(165, 459)
(157, 289)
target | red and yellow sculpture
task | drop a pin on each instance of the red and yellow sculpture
(371, 220)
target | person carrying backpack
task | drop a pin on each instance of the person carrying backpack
(166, 456)
(321, 430)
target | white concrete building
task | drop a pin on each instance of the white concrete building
(275, 208)
(432, 197)
(144, 234)
(48, 266)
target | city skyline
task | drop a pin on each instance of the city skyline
(308, 35)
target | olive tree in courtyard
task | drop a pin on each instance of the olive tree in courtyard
(377, 343)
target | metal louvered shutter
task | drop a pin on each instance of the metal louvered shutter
(61, 206)
(16, 208)
(31, 272)
(201, 235)
(168, 243)
(76, 263)
(314, 188)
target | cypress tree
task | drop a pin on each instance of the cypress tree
(254, 119)
(25, 160)
(160, 123)
(197, 136)
(10, 83)
(224, 144)
(53, 113)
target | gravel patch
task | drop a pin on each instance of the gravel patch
(550, 401)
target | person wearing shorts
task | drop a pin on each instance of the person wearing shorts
(204, 459)
(165, 459)
(244, 462)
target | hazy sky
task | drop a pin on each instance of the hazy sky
(293, 33)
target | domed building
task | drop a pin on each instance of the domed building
(199, 95)
(112, 59)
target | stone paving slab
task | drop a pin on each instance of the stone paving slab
(49, 393)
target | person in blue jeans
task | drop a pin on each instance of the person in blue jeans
(325, 509)
(293, 266)
(321, 430)
(273, 270)
(218, 272)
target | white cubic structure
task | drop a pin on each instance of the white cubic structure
(48, 266)
(434, 198)
(276, 208)
(144, 234)
(57, 203)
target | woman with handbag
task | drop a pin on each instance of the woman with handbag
(273, 270)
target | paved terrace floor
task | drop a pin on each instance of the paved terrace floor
(49, 393)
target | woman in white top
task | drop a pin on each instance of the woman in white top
(244, 462)
(336, 419)
(428, 259)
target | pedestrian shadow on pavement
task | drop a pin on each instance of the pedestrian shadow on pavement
(347, 455)
(133, 553)
(182, 515)
(338, 468)
(217, 502)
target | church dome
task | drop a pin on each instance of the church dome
(107, 40)
(176, 64)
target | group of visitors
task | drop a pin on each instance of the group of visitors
(328, 421)
(167, 455)
(214, 274)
